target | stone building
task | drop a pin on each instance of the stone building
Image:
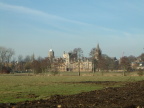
(69, 58)
(71, 63)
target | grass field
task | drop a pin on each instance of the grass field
(15, 88)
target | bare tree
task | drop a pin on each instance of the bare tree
(20, 63)
(125, 64)
(141, 57)
(3, 52)
(39, 58)
(10, 52)
(20, 58)
(94, 61)
(41, 65)
(111, 62)
(6, 54)
(27, 58)
(79, 53)
(104, 62)
(5, 57)
(45, 64)
(131, 58)
(92, 52)
(36, 66)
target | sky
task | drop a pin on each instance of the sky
(36, 26)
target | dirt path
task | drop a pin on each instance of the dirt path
(129, 96)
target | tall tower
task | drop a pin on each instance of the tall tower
(33, 57)
(51, 53)
(98, 53)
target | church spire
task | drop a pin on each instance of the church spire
(98, 48)
(98, 52)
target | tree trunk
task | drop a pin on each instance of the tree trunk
(79, 68)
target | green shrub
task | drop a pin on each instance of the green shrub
(140, 72)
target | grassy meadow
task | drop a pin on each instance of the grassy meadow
(16, 88)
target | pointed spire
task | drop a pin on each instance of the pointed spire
(98, 48)
(33, 57)
(98, 52)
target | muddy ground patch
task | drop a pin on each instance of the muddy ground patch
(131, 95)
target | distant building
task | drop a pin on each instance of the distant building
(71, 63)
(85, 64)
(51, 55)
(141, 65)
(69, 59)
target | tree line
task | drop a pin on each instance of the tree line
(41, 65)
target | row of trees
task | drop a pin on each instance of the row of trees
(108, 63)
(39, 65)
(27, 63)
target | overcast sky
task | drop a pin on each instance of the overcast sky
(35, 26)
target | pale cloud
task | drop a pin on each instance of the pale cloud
(26, 10)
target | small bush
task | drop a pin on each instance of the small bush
(54, 71)
(140, 72)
